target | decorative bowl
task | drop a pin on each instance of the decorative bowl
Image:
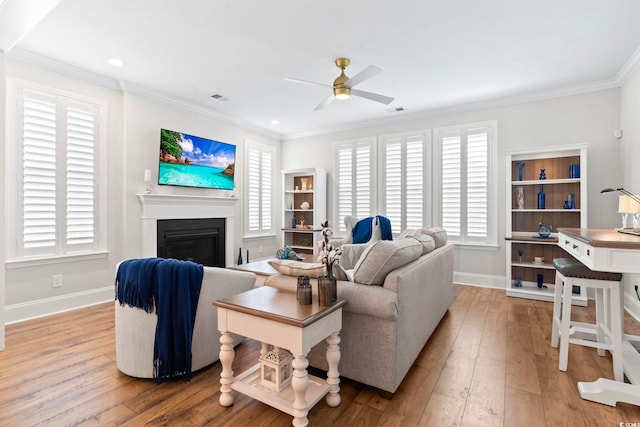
(544, 231)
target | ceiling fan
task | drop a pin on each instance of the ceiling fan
(343, 85)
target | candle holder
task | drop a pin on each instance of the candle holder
(147, 180)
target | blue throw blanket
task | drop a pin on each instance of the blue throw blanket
(361, 232)
(172, 287)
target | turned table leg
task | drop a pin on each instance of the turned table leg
(299, 383)
(333, 376)
(226, 376)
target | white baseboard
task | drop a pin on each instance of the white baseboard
(43, 307)
(481, 280)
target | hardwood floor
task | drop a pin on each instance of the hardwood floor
(488, 363)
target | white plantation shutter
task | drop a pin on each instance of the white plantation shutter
(81, 177)
(259, 189)
(465, 180)
(267, 189)
(477, 183)
(354, 170)
(393, 178)
(58, 179)
(403, 181)
(253, 190)
(38, 174)
(451, 172)
(415, 174)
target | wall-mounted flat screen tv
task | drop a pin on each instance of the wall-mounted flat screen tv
(192, 161)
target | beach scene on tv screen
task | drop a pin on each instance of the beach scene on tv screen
(191, 161)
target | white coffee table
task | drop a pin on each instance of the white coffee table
(274, 316)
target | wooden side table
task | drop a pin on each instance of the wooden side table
(274, 316)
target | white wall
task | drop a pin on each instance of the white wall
(630, 125)
(586, 118)
(3, 205)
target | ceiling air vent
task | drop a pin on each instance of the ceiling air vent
(394, 110)
(219, 97)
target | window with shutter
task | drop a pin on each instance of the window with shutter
(57, 174)
(354, 177)
(259, 189)
(466, 183)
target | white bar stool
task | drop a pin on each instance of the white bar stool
(608, 329)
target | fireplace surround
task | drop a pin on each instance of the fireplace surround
(168, 206)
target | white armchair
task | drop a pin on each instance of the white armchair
(135, 328)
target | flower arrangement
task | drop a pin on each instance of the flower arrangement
(328, 254)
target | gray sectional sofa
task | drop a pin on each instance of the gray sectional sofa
(386, 325)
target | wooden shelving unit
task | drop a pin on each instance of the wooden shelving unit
(523, 222)
(304, 186)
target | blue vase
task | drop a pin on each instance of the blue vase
(520, 166)
(543, 175)
(541, 198)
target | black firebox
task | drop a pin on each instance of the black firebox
(197, 240)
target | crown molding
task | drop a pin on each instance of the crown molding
(129, 87)
(465, 107)
(124, 86)
(629, 68)
(62, 68)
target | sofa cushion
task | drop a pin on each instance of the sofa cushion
(298, 268)
(427, 242)
(384, 256)
(439, 234)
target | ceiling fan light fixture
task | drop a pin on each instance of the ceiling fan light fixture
(342, 92)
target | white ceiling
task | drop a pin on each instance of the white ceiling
(435, 54)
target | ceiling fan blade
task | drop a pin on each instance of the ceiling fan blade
(363, 75)
(289, 79)
(324, 103)
(372, 96)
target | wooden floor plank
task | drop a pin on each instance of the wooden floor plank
(485, 406)
(523, 409)
(442, 411)
(489, 362)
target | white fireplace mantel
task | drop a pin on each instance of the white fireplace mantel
(170, 206)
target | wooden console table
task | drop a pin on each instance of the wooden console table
(608, 250)
(274, 316)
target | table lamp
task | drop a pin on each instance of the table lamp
(629, 203)
(623, 208)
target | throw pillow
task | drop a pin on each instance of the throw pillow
(384, 256)
(341, 273)
(298, 268)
